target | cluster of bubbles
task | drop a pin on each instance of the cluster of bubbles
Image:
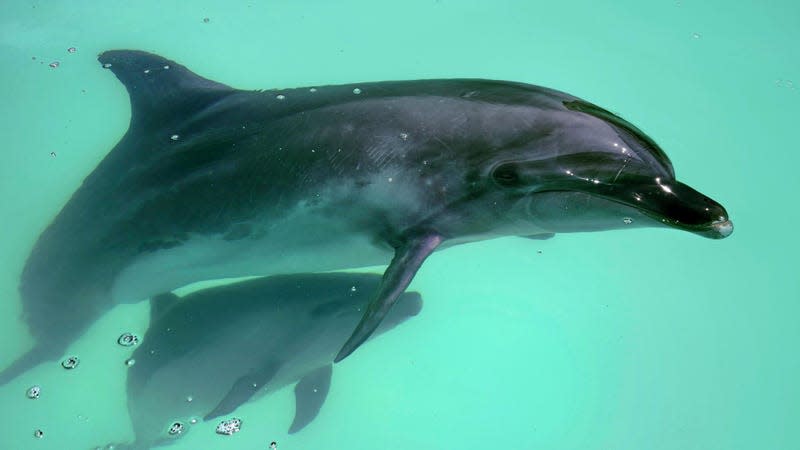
(56, 64)
(229, 427)
(34, 392)
(71, 362)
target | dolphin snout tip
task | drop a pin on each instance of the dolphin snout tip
(720, 229)
(724, 228)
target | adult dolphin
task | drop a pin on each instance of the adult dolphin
(207, 353)
(211, 182)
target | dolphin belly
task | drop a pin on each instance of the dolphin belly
(302, 242)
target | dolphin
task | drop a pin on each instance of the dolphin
(211, 351)
(212, 182)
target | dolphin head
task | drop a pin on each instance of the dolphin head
(595, 171)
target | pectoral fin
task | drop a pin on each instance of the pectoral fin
(310, 393)
(407, 260)
(244, 388)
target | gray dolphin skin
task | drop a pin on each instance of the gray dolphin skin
(213, 350)
(212, 182)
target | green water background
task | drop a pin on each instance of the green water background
(633, 339)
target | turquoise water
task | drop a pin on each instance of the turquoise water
(634, 339)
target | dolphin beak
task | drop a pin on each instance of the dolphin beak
(717, 230)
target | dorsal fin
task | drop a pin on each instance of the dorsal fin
(157, 85)
(160, 304)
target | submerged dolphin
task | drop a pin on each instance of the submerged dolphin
(211, 182)
(213, 346)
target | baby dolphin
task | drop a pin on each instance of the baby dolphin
(213, 182)
(211, 351)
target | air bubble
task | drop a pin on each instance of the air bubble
(273, 445)
(128, 340)
(356, 91)
(175, 429)
(52, 154)
(72, 50)
(54, 64)
(33, 392)
(627, 220)
(146, 71)
(280, 97)
(166, 67)
(106, 65)
(174, 137)
(696, 35)
(193, 421)
(404, 136)
(189, 399)
(353, 289)
(38, 434)
(70, 363)
(313, 90)
(130, 362)
(206, 20)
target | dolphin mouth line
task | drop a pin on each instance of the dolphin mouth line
(718, 229)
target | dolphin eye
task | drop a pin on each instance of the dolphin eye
(506, 175)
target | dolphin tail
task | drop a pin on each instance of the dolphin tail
(408, 258)
(30, 359)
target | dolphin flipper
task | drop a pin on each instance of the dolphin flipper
(244, 388)
(408, 258)
(310, 393)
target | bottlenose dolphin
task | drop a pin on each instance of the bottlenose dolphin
(212, 182)
(211, 351)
